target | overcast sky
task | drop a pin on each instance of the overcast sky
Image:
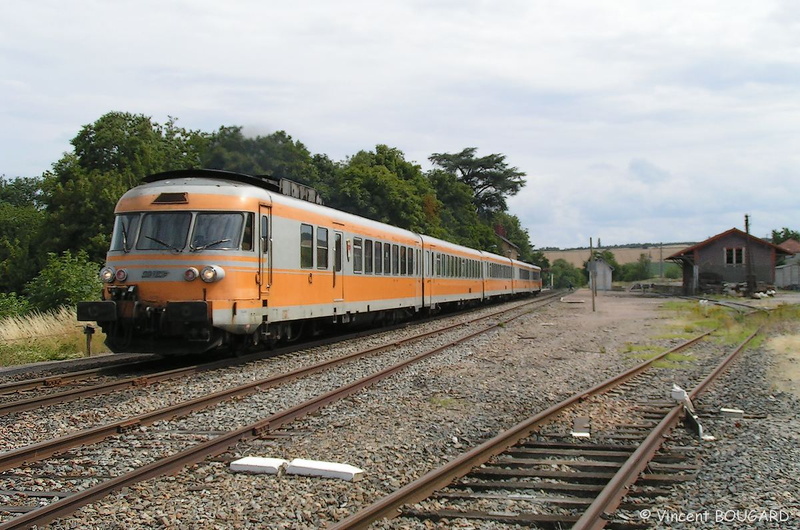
(634, 120)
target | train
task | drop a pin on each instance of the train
(205, 259)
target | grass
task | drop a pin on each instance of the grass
(36, 337)
(445, 402)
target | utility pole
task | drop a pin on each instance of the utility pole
(592, 273)
(748, 257)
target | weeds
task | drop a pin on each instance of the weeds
(48, 336)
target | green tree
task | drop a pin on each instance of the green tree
(610, 259)
(459, 220)
(383, 186)
(65, 280)
(539, 259)
(276, 155)
(509, 226)
(779, 236)
(638, 271)
(21, 221)
(110, 156)
(566, 274)
(489, 177)
(11, 305)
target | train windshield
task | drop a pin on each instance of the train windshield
(216, 231)
(125, 227)
(167, 230)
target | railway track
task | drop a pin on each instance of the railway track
(525, 476)
(14, 396)
(192, 447)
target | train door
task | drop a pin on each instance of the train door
(264, 249)
(427, 287)
(338, 259)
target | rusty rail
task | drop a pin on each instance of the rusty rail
(221, 443)
(424, 486)
(611, 496)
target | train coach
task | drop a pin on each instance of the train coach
(201, 259)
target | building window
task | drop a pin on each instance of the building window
(734, 256)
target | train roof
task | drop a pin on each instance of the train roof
(282, 186)
(290, 191)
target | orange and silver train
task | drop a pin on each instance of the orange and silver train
(201, 259)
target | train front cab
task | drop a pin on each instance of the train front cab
(182, 270)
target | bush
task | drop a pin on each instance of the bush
(11, 304)
(65, 280)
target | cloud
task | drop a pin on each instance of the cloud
(634, 122)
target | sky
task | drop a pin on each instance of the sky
(635, 121)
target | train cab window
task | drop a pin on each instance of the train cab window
(306, 246)
(403, 262)
(368, 256)
(216, 231)
(322, 248)
(125, 226)
(387, 258)
(164, 231)
(378, 257)
(358, 254)
(247, 235)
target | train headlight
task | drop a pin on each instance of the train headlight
(121, 275)
(190, 274)
(212, 273)
(107, 274)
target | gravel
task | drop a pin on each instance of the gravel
(415, 421)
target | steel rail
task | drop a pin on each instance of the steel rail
(35, 452)
(221, 443)
(424, 486)
(611, 496)
(60, 379)
(147, 379)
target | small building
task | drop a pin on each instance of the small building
(787, 275)
(603, 273)
(507, 248)
(727, 258)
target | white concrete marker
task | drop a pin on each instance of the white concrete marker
(316, 468)
(257, 464)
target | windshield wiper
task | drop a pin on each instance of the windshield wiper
(176, 249)
(203, 247)
(125, 248)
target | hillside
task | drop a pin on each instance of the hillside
(626, 254)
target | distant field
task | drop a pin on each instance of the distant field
(622, 255)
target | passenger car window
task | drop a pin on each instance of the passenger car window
(322, 248)
(368, 256)
(358, 253)
(306, 246)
